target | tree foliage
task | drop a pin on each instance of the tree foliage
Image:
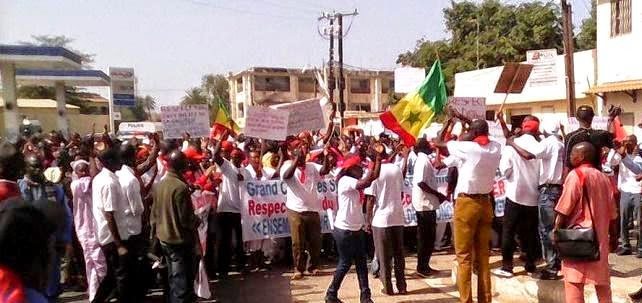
(586, 38)
(142, 111)
(213, 91)
(506, 32)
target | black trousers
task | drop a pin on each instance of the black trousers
(229, 223)
(117, 277)
(140, 269)
(181, 271)
(522, 221)
(426, 229)
(389, 250)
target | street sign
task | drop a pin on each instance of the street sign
(544, 67)
(123, 86)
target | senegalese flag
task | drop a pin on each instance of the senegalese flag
(417, 109)
(223, 121)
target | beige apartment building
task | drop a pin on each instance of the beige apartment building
(366, 91)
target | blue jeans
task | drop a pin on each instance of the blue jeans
(181, 271)
(629, 204)
(548, 197)
(351, 246)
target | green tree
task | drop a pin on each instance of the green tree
(506, 32)
(142, 111)
(194, 95)
(586, 39)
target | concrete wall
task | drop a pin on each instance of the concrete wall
(619, 57)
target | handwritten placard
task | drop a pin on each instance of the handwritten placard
(266, 123)
(471, 107)
(305, 115)
(193, 119)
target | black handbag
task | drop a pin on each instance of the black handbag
(579, 243)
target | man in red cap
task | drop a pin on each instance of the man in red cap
(303, 206)
(522, 196)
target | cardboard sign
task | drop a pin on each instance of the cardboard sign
(305, 115)
(471, 107)
(193, 119)
(266, 123)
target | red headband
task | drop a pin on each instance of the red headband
(530, 126)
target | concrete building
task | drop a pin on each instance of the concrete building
(366, 91)
(619, 66)
(541, 99)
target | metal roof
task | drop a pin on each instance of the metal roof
(611, 87)
(40, 56)
(49, 77)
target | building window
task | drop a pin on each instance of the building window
(360, 107)
(240, 110)
(490, 115)
(307, 85)
(387, 86)
(360, 86)
(620, 17)
(272, 83)
(239, 84)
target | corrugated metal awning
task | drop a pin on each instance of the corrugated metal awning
(612, 87)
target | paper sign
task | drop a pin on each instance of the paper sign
(598, 123)
(471, 107)
(193, 119)
(266, 123)
(304, 116)
(544, 67)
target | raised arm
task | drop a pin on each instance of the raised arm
(372, 175)
(520, 151)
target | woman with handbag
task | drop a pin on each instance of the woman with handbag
(581, 229)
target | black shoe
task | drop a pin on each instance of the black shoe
(427, 273)
(403, 292)
(636, 296)
(530, 268)
(623, 251)
(548, 275)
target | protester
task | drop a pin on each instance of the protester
(477, 159)
(384, 213)
(109, 210)
(522, 180)
(426, 200)
(303, 207)
(349, 225)
(550, 189)
(585, 133)
(587, 201)
(174, 224)
(85, 225)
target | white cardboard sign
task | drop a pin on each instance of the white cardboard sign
(193, 119)
(471, 107)
(266, 123)
(305, 115)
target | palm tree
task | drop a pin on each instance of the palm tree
(194, 95)
(149, 103)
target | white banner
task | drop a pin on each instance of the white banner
(471, 107)
(305, 115)
(266, 123)
(193, 119)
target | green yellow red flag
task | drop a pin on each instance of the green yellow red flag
(417, 109)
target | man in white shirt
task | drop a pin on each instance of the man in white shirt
(425, 200)
(550, 190)
(134, 209)
(384, 212)
(521, 171)
(630, 189)
(109, 212)
(303, 207)
(229, 209)
(476, 159)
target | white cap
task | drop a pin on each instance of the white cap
(550, 126)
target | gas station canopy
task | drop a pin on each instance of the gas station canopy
(49, 77)
(24, 56)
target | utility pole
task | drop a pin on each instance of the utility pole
(567, 19)
(341, 106)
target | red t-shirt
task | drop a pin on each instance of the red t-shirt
(8, 189)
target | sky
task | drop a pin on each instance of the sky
(171, 44)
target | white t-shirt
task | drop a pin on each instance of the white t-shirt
(388, 210)
(134, 201)
(107, 196)
(229, 200)
(476, 165)
(552, 162)
(302, 196)
(424, 172)
(626, 178)
(350, 211)
(522, 176)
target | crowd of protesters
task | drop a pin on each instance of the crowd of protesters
(110, 214)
